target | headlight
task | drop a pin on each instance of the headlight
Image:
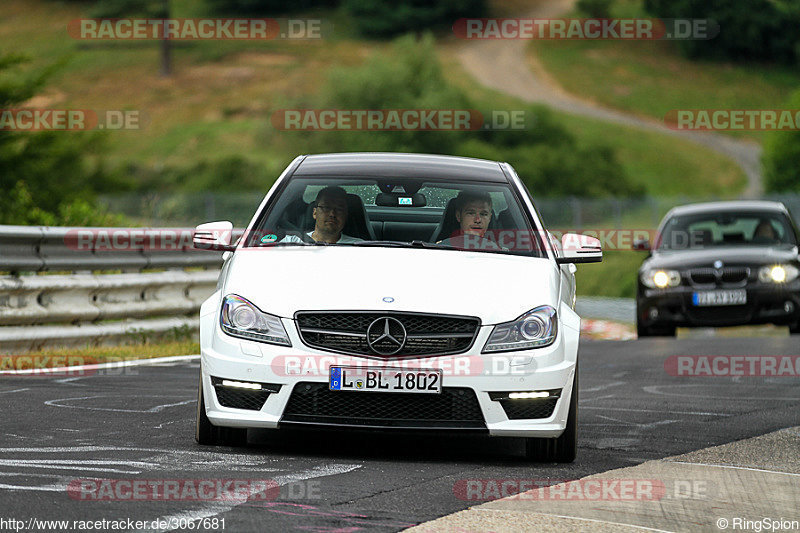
(534, 329)
(661, 279)
(777, 274)
(240, 318)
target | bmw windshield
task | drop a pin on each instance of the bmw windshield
(728, 228)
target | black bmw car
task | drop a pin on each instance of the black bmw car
(720, 264)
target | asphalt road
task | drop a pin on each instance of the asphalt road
(138, 424)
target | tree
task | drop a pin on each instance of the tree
(49, 174)
(387, 18)
(781, 155)
(750, 30)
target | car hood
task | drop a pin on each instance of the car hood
(494, 287)
(729, 255)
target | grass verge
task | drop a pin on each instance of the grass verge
(651, 77)
(614, 277)
(57, 357)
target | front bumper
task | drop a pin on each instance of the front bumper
(766, 304)
(287, 369)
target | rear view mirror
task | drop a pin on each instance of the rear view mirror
(214, 236)
(393, 199)
(641, 245)
(580, 249)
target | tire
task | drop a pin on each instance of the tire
(208, 434)
(794, 329)
(563, 449)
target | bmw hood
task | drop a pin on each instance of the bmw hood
(494, 287)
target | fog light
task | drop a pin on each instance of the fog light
(241, 384)
(528, 395)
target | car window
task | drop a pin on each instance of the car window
(726, 229)
(403, 211)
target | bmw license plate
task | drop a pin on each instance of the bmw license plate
(709, 298)
(366, 379)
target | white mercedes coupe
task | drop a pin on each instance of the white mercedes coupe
(394, 292)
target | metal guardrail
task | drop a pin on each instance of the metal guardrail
(56, 289)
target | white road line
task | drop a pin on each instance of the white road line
(653, 389)
(656, 411)
(98, 366)
(737, 468)
(585, 520)
(83, 468)
(24, 462)
(605, 386)
(156, 409)
(10, 391)
(95, 448)
(46, 488)
(225, 506)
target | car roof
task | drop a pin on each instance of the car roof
(736, 205)
(399, 165)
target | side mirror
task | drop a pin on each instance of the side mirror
(641, 245)
(580, 249)
(214, 236)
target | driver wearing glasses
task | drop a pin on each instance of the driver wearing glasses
(330, 216)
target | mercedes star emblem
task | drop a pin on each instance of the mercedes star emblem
(386, 335)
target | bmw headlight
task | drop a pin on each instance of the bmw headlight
(777, 274)
(241, 318)
(535, 329)
(661, 279)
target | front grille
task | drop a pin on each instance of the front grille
(524, 409)
(703, 276)
(316, 403)
(236, 398)
(725, 276)
(346, 332)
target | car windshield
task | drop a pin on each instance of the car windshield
(728, 228)
(474, 216)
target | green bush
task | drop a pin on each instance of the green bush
(227, 174)
(48, 177)
(781, 157)
(750, 30)
(596, 8)
(386, 18)
(409, 76)
(265, 7)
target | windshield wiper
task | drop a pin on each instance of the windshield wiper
(404, 244)
(400, 244)
(296, 243)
